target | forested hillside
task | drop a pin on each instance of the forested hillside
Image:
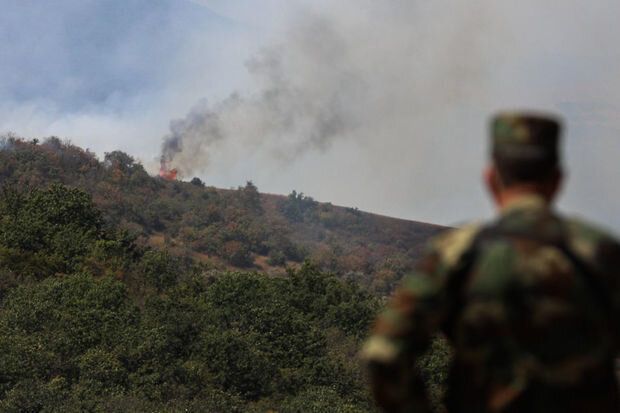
(236, 228)
(124, 292)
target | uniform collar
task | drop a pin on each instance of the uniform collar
(525, 202)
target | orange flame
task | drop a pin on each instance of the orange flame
(166, 173)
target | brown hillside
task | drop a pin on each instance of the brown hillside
(218, 228)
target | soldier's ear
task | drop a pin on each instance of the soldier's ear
(492, 182)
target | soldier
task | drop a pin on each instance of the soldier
(530, 302)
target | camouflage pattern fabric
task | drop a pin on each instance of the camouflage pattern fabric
(525, 145)
(532, 329)
(525, 136)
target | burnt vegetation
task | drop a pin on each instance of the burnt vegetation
(120, 291)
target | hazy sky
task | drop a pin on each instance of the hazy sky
(377, 105)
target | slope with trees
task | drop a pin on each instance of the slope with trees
(225, 312)
(235, 229)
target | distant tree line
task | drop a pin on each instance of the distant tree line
(238, 228)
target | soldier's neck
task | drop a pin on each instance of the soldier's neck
(508, 195)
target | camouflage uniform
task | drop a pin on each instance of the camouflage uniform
(530, 304)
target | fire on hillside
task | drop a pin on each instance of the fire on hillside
(164, 172)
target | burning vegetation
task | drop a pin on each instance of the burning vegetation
(166, 173)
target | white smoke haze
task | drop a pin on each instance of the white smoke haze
(300, 103)
(385, 104)
(368, 100)
(98, 132)
(378, 75)
(378, 105)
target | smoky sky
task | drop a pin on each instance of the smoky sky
(82, 53)
(378, 105)
(366, 76)
(298, 102)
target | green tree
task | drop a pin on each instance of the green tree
(55, 329)
(43, 232)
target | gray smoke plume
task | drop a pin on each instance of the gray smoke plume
(384, 104)
(200, 126)
(368, 72)
(302, 102)
(374, 94)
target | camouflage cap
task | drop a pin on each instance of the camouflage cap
(524, 146)
(522, 136)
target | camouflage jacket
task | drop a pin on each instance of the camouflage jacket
(530, 305)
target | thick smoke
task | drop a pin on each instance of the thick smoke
(380, 104)
(302, 102)
(383, 104)
(339, 74)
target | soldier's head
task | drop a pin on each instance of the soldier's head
(524, 155)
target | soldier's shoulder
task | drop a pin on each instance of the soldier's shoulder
(589, 239)
(451, 244)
